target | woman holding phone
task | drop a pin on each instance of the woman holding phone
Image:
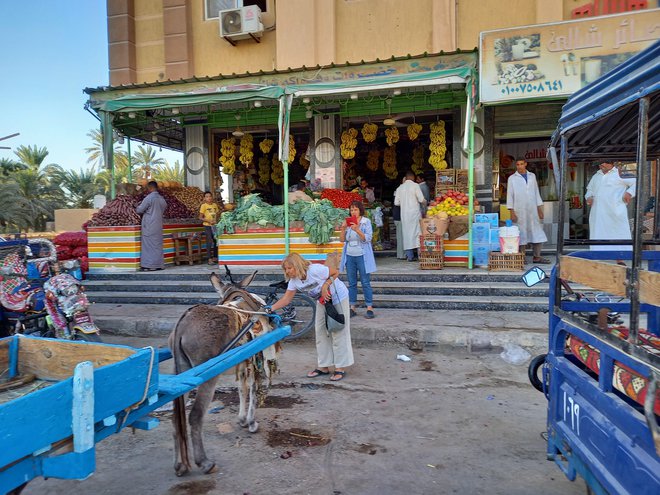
(357, 257)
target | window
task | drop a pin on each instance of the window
(214, 6)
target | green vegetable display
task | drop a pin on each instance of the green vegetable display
(319, 217)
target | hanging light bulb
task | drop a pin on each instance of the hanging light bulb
(131, 115)
(306, 100)
(257, 104)
(175, 111)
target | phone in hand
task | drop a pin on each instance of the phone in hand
(351, 221)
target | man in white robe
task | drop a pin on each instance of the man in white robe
(608, 194)
(409, 197)
(525, 205)
(152, 208)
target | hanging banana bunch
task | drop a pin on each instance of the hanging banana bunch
(277, 172)
(369, 132)
(438, 146)
(372, 160)
(348, 143)
(418, 159)
(413, 130)
(264, 169)
(227, 154)
(389, 162)
(292, 149)
(392, 136)
(266, 145)
(245, 150)
(304, 162)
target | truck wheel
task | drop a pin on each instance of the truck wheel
(533, 371)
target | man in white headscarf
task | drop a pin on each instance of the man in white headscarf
(409, 197)
(608, 194)
(524, 202)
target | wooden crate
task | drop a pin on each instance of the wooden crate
(431, 244)
(431, 260)
(506, 262)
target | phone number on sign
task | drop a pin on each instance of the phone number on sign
(540, 87)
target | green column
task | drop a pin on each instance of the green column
(285, 166)
(470, 191)
(130, 161)
(108, 156)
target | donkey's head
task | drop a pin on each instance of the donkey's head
(228, 290)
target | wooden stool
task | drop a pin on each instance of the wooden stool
(192, 248)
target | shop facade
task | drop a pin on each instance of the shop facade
(526, 75)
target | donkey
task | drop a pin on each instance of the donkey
(201, 334)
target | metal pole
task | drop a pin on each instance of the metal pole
(130, 162)
(285, 166)
(107, 143)
(470, 191)
(563, 165)
(633, 281)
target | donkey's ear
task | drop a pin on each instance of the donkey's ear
(217, 284)
(247, 280)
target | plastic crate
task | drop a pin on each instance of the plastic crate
(431, 244)
(506, 262)
(431, 260)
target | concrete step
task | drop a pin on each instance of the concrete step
(447, 302)
(379, 287)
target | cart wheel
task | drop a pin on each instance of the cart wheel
(533, 371)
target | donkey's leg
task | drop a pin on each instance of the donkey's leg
(241, 376)
(180, 435)
(253, 426)
(196, 419)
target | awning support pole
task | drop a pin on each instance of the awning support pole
(470, 191)
(108, 157)
(130, 161)
(285, 167)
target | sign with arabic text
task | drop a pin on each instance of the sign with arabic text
(552, 60)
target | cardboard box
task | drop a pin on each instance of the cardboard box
(480, 254)
(434, 225)
(491, 218)
(480, 233)
(458, 226)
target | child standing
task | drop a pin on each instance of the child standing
(209, 213)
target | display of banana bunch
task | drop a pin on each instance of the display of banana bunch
(372, 160)
(304, 162)
(264, 169)
(348, 143)
(392, 136)
(369, 132)
(438, 146)
(227, 154)
(292, 149)
(418, 159)
(413, 130)
(389, 162)
(266, 145)
(245, 150)
(277, 172)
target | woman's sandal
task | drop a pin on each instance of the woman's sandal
(317, 372)
(337, 375)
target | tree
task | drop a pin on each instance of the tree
(95, 153)
(9, 166)
(144, 159)
(14, 211)
(40, 195)
(31, 156)
(170, 172)
(80, 187)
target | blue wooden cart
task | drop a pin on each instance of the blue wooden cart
(601, 380)
(66, 396)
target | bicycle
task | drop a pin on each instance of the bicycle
(300, 315)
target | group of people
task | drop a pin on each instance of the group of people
(152, 209)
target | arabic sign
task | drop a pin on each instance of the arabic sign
(551, 60)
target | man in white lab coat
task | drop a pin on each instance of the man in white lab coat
(526, 207)
(409, 197)
(608, 194)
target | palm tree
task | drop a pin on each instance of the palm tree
(95, 152)
(169, 172)
(145, 160)
(80, 187)
(31, 156)
(40, 194)
(14, 211)
(9, 166)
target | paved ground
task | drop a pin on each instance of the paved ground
(446, 422)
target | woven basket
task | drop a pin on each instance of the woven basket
(506, 262)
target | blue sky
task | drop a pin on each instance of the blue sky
(50, 50)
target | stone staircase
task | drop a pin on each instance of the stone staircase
(460, 290)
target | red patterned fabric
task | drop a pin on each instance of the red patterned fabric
(625, 380)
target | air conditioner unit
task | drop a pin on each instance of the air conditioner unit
(240, 24)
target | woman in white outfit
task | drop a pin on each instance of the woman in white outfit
(334, 349)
